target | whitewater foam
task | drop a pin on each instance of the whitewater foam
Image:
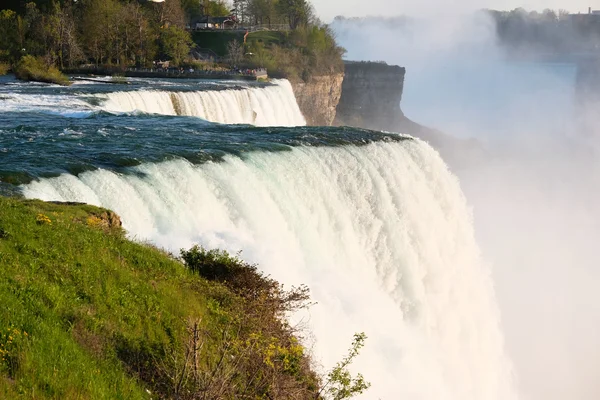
(380, 233)
(273, 105)
(65, 105)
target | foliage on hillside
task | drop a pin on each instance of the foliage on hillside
(108, 32)
(298, 54)
(4, 68)
(88, 314)
(301, 53)
(30, 68)
(301, 48)
(119, 33)
(197, 8)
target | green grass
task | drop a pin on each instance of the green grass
(92, 304)
(216, 41)
(268, 37)
(88, 314)
(35, 69)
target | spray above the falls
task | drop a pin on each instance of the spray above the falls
(273, 105)
(380, 233)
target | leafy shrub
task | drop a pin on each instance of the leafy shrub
(245, 279)
(264, 345)
(35, 69)
(340, 384)
(261, 348)
(4, 68)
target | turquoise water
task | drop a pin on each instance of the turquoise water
(47, 130)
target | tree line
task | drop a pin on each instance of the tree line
(121, 33)
(549, 32)
(112, 32)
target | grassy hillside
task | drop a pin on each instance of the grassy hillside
(217, 41)
(88, 314)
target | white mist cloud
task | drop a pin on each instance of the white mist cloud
(536, 197)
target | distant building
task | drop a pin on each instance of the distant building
(211, 23)
(590, 12)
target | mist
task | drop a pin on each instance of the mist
(535, 197)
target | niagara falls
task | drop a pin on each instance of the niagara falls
(283, 200)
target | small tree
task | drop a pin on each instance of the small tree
(340, 384)
(297, 12)
(176, 43)
(235, 52)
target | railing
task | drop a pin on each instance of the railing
(190, 72)
(243, 73)
(244, 28)
(268, 27)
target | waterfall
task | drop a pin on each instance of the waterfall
(381, 234)
(273, 105)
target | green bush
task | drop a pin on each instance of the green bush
(4, 68)
(35, 69)
(263, 343)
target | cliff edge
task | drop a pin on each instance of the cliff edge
(371, 97)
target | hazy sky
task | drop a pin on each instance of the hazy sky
(328, 9)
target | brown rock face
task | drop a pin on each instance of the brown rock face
(319, 98)
(112, 220)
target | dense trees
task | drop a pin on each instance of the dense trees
(214, 8)
(114, 32)
(547, 32)
(294, 13)
(119, 33)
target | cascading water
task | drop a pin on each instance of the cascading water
(273, 105)
(381, 233)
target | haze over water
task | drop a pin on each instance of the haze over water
(534, 197)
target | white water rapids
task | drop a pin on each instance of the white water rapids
(380, 233)
(273, 105)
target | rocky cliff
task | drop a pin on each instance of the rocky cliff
(371, 95)
(368, 96)
(318, 98)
